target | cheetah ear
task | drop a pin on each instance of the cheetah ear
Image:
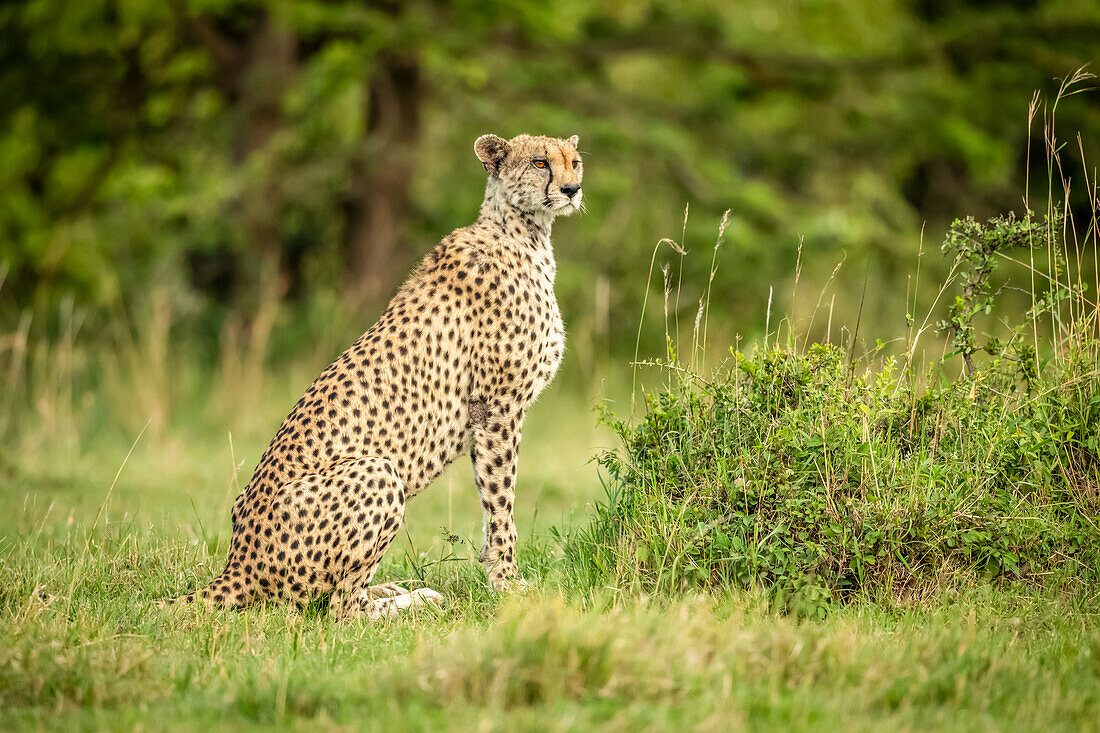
(491, 151)
(574, 141)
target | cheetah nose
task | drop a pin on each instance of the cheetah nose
(570, 188)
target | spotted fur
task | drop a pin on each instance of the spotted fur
(452, 366)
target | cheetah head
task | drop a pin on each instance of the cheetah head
(534, 174)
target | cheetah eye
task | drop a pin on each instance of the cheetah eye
(575, 164)
(540, 162)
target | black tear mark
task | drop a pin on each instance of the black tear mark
(550, 179)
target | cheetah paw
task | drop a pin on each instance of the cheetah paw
(514, 584)
(385, 590)
(408, 602)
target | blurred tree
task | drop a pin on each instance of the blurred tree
(238, 150)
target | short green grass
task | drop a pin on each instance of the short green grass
(82, 647)
(101, 658)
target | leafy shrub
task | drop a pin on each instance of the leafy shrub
(819, 479)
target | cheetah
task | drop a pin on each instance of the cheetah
(452, 365)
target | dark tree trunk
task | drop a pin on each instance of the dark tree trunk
(381, 172)
(253, 69)
(270, 63)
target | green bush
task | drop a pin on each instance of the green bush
(820, 478)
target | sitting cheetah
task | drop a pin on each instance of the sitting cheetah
(453, 364)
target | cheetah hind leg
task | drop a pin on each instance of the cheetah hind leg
(353, 595)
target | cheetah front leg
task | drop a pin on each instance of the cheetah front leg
(495, 458)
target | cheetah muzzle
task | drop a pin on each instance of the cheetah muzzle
(458, 356)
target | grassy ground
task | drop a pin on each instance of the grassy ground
(82, 647)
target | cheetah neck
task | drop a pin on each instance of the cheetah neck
(529, 229)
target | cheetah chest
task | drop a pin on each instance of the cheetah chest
(536, 336)
(553, 347)
(551, 329)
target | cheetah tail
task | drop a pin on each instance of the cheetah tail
(186, 598)
(219, 593)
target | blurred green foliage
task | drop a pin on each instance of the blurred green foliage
(228, 151)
